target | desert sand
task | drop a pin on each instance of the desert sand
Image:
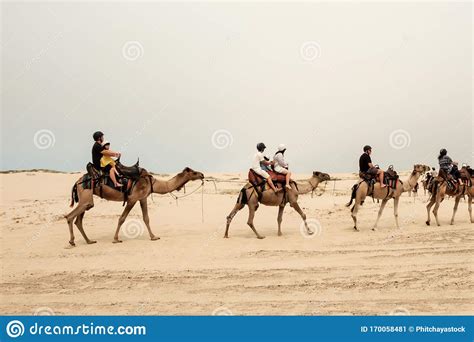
(192, 270)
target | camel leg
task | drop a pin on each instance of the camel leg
(354, 210)
(146, 219)
(435, 210)
(456, 203)
(252, 210)
(469, 208)
(428, 209)
(81, 208)
(79, 226)
(395, 210)
(121, 220)
(234, 211)
(296, 206)
(280, 218)
(382, 206)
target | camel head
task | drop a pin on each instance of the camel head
(420, 168)
(191, 175)
(321, 176)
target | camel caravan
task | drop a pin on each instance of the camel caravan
(269, 183)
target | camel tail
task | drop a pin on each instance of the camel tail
(74, 196)
(353, 195)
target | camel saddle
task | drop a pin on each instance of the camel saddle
(97, 178)
(390, 177)
(257, 180)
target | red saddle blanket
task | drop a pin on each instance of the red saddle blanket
(256, 179)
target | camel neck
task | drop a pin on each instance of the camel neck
(411, 181)
(164, 187)
(306, 186)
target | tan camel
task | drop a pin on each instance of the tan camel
(144, 187)
(441, 189)
(361, 190)
(249, 196)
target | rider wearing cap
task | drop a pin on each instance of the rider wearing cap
(366, 166)
(258, 161)
(99, 150)
(280, 165)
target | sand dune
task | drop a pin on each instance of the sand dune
(193, 270)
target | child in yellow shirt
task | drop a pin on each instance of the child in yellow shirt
(107, 160)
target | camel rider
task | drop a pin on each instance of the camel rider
(99, 150)
(259, 160)
(447, 165)
(366, 166)
(280, 165)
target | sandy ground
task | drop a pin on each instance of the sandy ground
(193, 270)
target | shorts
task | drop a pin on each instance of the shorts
(372, 171)
(281, 170)
(262, 173)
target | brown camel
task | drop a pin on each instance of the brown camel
(249, 196)
(361, 190)
(441, 189)
(144, 187)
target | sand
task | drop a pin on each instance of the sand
(192, 270)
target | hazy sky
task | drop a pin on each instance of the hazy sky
(199, 84)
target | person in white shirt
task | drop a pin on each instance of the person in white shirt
(258, 160)
(280, 165)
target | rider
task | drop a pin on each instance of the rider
(107, 162)
(280, 165)
(258, 161)
(366, 166)
(98, 151)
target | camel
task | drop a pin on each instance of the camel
(144, 187)
(249, 196)
(441, 189)
(361, 190)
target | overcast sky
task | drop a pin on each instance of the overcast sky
(201, 84)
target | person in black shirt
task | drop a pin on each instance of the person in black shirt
(366, 166)
(98, 151)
